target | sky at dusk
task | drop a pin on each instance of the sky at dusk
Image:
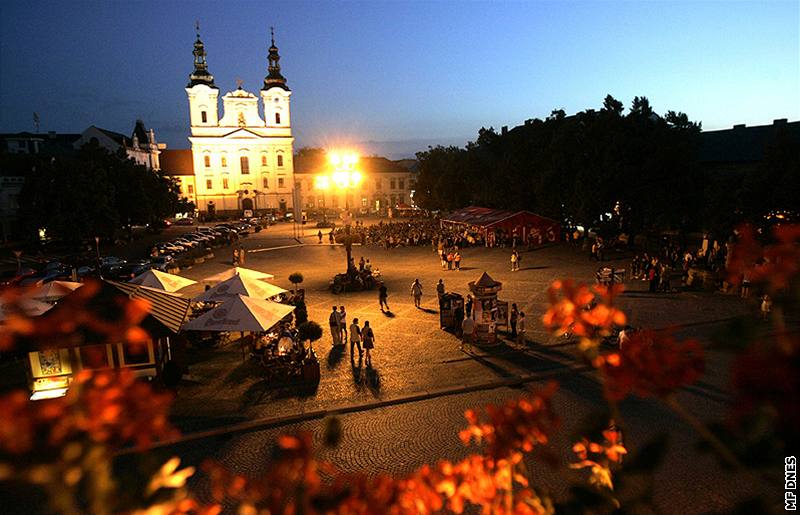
(394, 77)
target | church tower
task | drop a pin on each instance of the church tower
(202, 92)
(275, 93)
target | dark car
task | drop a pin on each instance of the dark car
(127, 271)
(184, 221)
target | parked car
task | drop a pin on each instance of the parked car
(184, 221)
(326, 224)
(163, 263)
(111, 261)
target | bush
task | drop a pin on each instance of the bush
(300, 313)
(296, 278)
(310, 331)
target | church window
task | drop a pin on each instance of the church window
(224, 162)
(245, 165)
(189, 189)
(264, 159)
(280, 182)
(401, 184)
(378, 184)
(392, 184)
(277, 118)
(265, 181)
(207, 161)
(280, 160)
(224, 183)
(209, 184)
(203, 117)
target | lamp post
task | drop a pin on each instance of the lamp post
(344, 177)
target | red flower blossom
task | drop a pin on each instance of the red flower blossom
(517, 426)
(583, 311)
(652, 363)
(774, 265)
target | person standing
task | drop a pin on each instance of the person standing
(467, 333)
(514, 256)
(383, 294)
(468, 306)
(443, 257)
(457, 260)
(319, 236)
(355, 338)
(361, 264)
(369, 341)
(513, 317)
(416, 292)
(342, 325)
(330, 237)
(333, 324)
(521, 329)
(450, 260)
(440, 290)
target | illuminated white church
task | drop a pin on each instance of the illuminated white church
(242, 160)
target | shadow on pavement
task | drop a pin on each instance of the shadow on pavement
(388, 314)
(535, 268)
(265, 391)
(365, 376)
(242, 372)
(335, 356)
(428, 310)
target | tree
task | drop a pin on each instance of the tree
(295, 278)
(612, 105)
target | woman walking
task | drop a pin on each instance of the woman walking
(369, 342)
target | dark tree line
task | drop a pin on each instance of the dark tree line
(640, 167)
(92, 193)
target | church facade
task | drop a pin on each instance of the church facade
(242, 157)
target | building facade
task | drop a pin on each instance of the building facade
(384, 185)
(242, 157)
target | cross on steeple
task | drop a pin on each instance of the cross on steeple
(197, 27)
(272, 35)
(239, 83)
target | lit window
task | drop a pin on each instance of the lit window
(277, 118)
(208, 184)
(207, 161)
(280, 160)
(225, 183)
(364, 202)
(265, 181)
(203, 117)
(245, 163)
(280, 182)
(263, 159)
(190, 189)
(224, 162)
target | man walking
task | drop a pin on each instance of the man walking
(521, 329)
(355, 338)
(333, 323)
(319, 236)
(467, 333)
(382, 296)
(440, 290)
(416, 292)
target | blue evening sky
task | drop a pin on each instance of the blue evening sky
(395, 77)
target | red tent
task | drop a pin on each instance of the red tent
(526, 225)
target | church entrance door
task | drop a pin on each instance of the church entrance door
(247, 204)
(282, 206)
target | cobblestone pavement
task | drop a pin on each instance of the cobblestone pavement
(414, 356)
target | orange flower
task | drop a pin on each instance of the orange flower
(588, 313)
(652, 363)
(774, 265)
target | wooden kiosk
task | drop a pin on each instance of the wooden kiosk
(488, 312)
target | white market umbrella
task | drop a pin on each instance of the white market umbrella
(52, 291)
(24, 306)
(240, 285)
(247, 273)
(162, 280)
(241, 313)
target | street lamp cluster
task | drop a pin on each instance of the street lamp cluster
(343, 175)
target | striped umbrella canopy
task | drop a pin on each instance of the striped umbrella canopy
(240, 313)
(240, 285)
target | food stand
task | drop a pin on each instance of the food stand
(487, 310)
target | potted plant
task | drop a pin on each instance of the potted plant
(310, 332)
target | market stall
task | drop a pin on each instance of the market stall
(497, 225)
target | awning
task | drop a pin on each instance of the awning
(169, 309)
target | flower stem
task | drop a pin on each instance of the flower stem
(725, 453)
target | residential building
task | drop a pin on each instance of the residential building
(384, 184)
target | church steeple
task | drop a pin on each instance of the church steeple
(200, 75)
(274, 79)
